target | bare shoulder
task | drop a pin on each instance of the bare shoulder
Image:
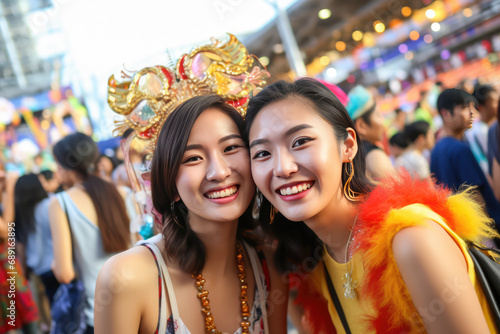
(126, 296)
(54, 205)
(426, 243)
(129, 270)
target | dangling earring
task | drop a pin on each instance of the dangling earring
(256, 204)
(272, 213)
(172, 208)
(350, 194)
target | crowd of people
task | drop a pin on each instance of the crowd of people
(305, 210)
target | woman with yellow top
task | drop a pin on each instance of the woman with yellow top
(391, 257)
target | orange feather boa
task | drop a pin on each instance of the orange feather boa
(379, 221)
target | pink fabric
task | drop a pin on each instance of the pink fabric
(339, 93)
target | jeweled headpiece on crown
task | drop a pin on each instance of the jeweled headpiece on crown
(151, 94)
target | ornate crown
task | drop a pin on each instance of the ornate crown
(151, 94)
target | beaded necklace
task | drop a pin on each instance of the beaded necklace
(205, 302)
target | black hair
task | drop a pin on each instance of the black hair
(414, 130)
(450, 98)
(79, 153)
(296, 242)
(366, 116)
(28, 193)
(399, 140)
(114, 162)
(482, 93)
(181, 243)
(47, 174)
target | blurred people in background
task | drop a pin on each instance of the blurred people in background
(399, 121)
(494, 155)
(452, 161)
(477, 137)
(91, 212)
(33, 230)
(49, 181)
(422, 112)
(37, 164)
(370, 126)
(466, 85)
(420, 138)
(23, 313)
(105, 167)
(398, 143)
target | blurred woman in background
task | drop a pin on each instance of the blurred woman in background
(18, 309)
(33, 230)
(89, 221)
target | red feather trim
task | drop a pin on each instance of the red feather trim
(392, 193)
(316, 318)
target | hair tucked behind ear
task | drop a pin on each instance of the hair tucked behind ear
(297, 245)
(181, 243)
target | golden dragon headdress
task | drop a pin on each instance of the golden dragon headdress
(151, 94)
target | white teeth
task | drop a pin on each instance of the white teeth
(223, 193)
(295, 189)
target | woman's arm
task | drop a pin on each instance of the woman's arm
(277, 299)
(62, 266)
(8, 204)
(495, 176)
(435, 273)
(126, 295)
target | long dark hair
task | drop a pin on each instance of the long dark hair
(298, 246)
(79, 153)
(28, 193)
(181, 243)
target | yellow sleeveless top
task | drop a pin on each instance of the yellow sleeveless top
(356, 309)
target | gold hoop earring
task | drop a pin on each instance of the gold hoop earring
(272, 213)
(350, 194)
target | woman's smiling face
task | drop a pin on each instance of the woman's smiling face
(296, 159)
(214, 179)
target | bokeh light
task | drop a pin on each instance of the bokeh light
(264, 61)
(379, 27)
(340, 46)
(324, 14)
(414, 35)
(324, 60)
(435, 26)
(428, 38)
(331, 72)
(406, 11)
(445, 54)
(357, 35)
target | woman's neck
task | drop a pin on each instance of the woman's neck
(219, 239)
(333, 226)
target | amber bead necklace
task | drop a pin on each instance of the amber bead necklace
(205, 302)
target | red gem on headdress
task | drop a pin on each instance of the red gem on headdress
(238, 103)
(182, 73)
(146, 134)
(167, 74)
